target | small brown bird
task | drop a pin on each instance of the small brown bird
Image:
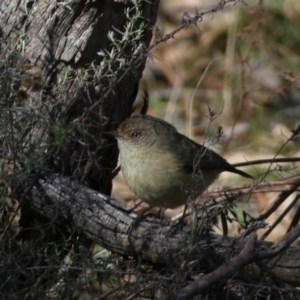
(160, 165)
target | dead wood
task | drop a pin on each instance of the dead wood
(71, 79)
(108, 223)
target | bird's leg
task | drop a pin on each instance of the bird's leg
(140, 217)
(181, 222)
(137, 203)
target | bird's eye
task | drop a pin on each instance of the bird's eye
(136, 135)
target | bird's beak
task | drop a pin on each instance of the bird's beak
(115, 134)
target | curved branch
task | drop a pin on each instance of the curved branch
(108, 223)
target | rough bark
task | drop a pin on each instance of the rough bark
(66, 88)
(65, 85)
(109, 223)
(60, 44)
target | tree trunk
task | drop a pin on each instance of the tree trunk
(72, 82)
(69, 72)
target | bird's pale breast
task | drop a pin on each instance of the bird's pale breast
(160, 180)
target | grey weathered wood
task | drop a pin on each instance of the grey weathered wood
(54, 37)
(108, 222)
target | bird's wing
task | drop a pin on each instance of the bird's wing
(197, 157)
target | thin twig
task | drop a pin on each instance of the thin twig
(278, 201)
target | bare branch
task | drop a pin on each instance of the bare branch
(107, 222)
(226, 271)
(278, 201)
